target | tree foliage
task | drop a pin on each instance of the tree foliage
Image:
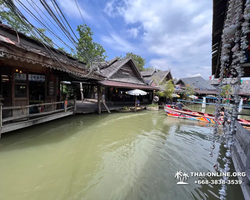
(226, 91)
(87, 49)
(139, 61)
(168, 89)
(190, 90)
(149, 68)
(8, 17)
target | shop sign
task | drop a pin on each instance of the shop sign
(20, 76)
(36, 77)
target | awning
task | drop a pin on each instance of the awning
(127, 85)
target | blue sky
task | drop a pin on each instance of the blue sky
(169, 34)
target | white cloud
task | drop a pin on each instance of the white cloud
(193, 75)
(162, 64)
(178, 33)
(133, 32)
(118, 43)
(69, 7)
(109, 9)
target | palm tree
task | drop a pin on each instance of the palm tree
(178, 174)
(185, 176)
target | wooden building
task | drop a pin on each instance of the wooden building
(201, 86)
(30, 76)
(123, 75)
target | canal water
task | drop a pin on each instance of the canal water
(118, 156)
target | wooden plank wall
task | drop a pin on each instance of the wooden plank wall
(241, 156)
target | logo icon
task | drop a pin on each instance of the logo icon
(182, 177)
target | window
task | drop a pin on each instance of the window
(20, 90)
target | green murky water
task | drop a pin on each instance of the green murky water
(114, 156)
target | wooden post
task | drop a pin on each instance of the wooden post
(248, 163)
(1, 118)
(153, 97)
(99, 99)
(81, 90)
(103, 101)
(135, 102)
(65, 105)
(75, 105)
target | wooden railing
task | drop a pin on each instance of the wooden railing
(65, 106)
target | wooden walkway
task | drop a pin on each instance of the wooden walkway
(90, 106)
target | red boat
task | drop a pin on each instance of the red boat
(198, 116)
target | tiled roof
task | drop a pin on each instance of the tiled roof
(197, 82)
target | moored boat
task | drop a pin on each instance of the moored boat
(189, 114)
(198, 116)
(131, 109)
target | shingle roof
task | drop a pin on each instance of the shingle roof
(147, 73)
(158, 77)
(197, 82)
(112, 66)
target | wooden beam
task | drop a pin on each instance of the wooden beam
(106, 106)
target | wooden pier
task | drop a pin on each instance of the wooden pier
(21, 116)
(91, 106)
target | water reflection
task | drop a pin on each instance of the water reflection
(116, 156)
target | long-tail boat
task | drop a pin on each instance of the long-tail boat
(198, 116)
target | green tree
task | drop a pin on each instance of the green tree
(190, 90)
(7, 16)
(139, 61)
(149, 68)
(87, 50)
(167, 89)
(226, 91)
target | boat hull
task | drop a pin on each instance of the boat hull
(198, 116)
(189, 115)
(132, 109)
